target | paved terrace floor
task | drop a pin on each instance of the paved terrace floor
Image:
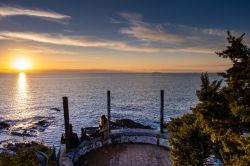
(127, 155)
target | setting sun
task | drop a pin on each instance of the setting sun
(21, 64)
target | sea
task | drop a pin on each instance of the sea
(28, 100)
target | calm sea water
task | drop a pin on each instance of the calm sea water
(28, 98)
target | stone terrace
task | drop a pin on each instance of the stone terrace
(127, 155)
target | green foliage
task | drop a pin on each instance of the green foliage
(209, 91)
(190, 144)
(222, 113)
(25, 155)
(237, 92)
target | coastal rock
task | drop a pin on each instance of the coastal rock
(41, 125)
(55, 109)
(119, 124)
(31, 128)
(22, 134)
(128, 123)
(4, 125)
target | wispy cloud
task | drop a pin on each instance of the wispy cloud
(42, 50)
(147, 32)
(195, 31)
(2, 38)
(171, 37)
(60, 39)
(87, 41)
(6, 11)
(152, 38)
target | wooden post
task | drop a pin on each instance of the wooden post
(66, 123)
(162, 111)
(108, 108)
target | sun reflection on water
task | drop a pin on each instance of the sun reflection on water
(22, 95)
(22, 84)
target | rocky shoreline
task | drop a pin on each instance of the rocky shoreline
(32, 127)
(27, 129)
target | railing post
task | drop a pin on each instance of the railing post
(66, 123)
(162, 111)
(108, 108)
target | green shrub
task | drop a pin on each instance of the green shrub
(25, 154)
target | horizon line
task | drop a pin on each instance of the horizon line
(105, 71)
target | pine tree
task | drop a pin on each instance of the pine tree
(238, 78)
(222, 114)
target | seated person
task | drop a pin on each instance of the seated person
(103, 130)
(104, 126)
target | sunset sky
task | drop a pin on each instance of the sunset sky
(119, 35)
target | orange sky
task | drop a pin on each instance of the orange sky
(148, 62)
(52, 38)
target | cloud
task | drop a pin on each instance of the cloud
(167, 33)
(87, 41)
(2, 38)
(41, 50)
(6, 11)
(172, 37)
(147, 32)
(150, 37)
(195, 31)
(59, 39)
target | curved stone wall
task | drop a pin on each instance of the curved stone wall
(147, 136)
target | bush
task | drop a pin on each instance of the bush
(25, 154)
